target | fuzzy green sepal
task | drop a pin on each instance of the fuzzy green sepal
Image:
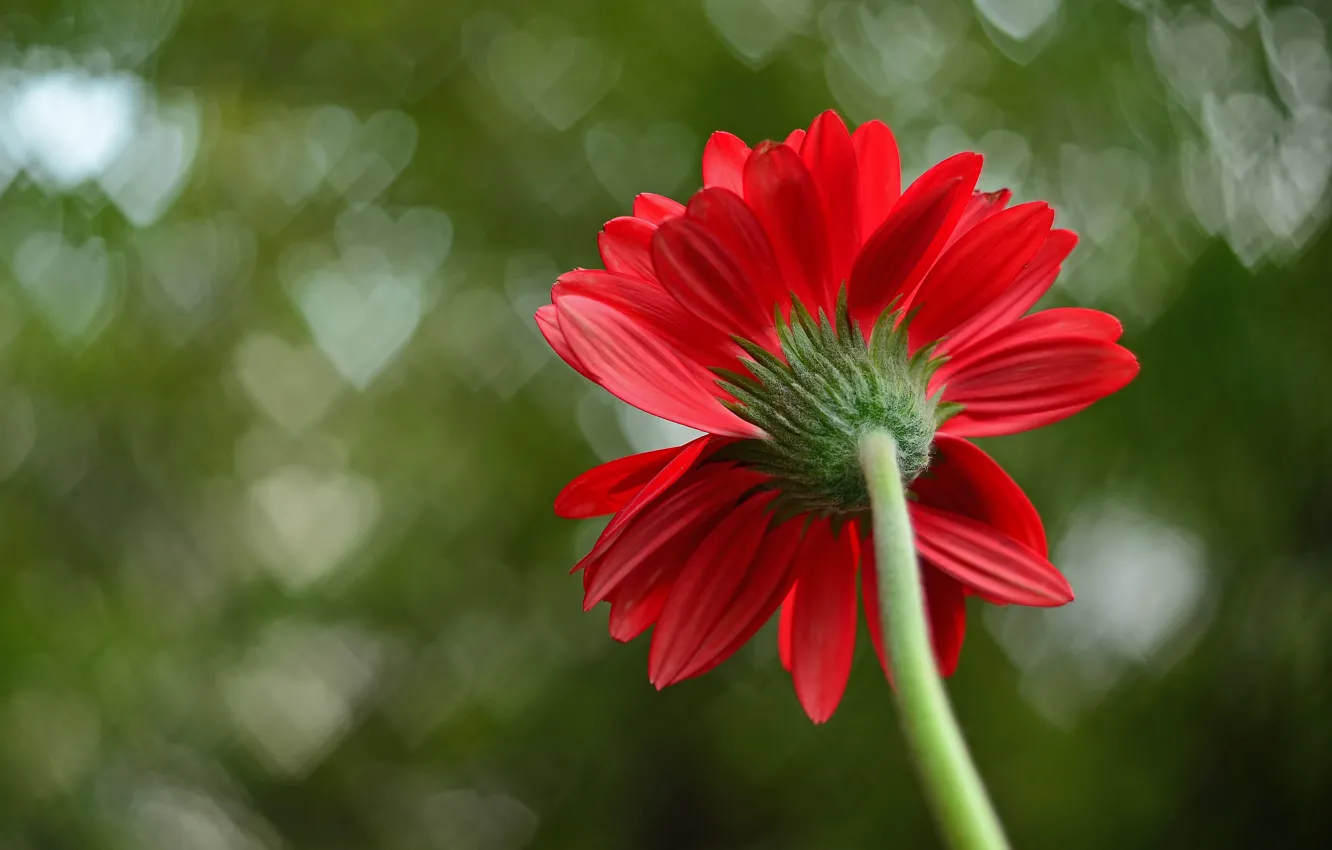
(831, 386)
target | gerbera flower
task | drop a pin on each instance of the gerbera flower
(799, 300)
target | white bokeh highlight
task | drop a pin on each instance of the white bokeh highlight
(1142, 588)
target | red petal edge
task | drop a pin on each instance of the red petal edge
(986, 560)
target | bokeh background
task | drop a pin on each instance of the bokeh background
(279, 439)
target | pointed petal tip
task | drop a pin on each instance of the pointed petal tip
(1037, 209)
(1113, 330)
(724, 157)
(967, 163)
(1129, 366)
(1059, 595)
(1054, 592)
(544, 316)
(1065, 237)
(818, 712)
(826, 116)
(655, 209)
(724, 137)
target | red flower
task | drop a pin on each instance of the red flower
(789, 275)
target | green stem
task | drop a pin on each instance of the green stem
(952, 785)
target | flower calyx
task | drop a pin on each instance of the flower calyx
(830, 386)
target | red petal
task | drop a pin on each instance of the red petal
(899, 253)
(606, 488)
(831, 160)
(1032, 367)
(945, 606)
(869, 599)
(1055, 326)
(879, 174)
(795, 139)
(670, 526)
(783, 196)
(823, 624)
(1061, 323)
(978, 269)
(984, 423)
(784, 625)
(685, 460)
(656, 209)
(760, 592)
(726, 217)
(638, 600)
(629, 584)
(632, 612)
(548, 322)
(1056, 323)
(704, 588)
(965, 480)
(981, 206)
(707, 279)
(648, 303)
(643, 587)
(636, 366)
(625, 247)
(724, 161)
(1030, 285)
(987, 560)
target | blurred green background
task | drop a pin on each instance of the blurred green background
(279, 440)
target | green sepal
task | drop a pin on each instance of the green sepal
(945, 410)
(829, 386)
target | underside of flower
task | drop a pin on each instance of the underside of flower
(767, 510)
(831, 386)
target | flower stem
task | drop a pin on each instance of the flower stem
(951, 782)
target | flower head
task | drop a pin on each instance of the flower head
(799, 300)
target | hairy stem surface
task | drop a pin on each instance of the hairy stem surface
(952, 784)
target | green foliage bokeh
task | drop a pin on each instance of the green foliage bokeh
(279, 440)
